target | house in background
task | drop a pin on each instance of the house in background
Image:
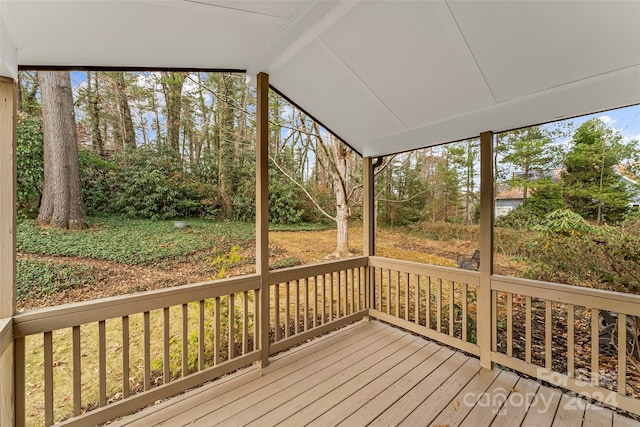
(631, 181)
(510, 198)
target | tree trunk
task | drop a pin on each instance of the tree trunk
(97, 142)
(127, 132)
(339, 178)
(226, 151)
(62, 197)
(172, 83)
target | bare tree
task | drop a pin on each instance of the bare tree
(62, 196)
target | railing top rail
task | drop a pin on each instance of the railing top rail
(448, 273)
(568, 294)
(301, 272)
(68, 315)
(5, 333)
(500, 281)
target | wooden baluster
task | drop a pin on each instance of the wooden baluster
(330, 296)
(48, 378)
(509, 297)
(77, 372)
(339, 296)
(595, 346)
(147, 350)
(416, 315)
(548, 331)
(452, 304)
(232, 333)
(494, 321)
(345, 299)
(217, 332)
(622, 354)
(324, 299)
(185, 340)
(125, 356)
(201, 335)
(256, 310)
(439, 305)
(20, 382)
(427, 305)
(407, 303)
(276, 308)
(102, 352)
(306, 303)
(245, 322)
(397, 294)
(570, 341)
(296, 318)
(315, 301)
(166, 363)
(353, 290)
(527, 339)
(465, 310)
(388, 291)
(287, 313)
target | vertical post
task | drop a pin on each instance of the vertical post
(486, 248)
(368, 227)
(8, 106)
(262, 210)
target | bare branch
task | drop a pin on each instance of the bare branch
(303, 189)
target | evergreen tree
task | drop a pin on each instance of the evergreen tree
(592, 188)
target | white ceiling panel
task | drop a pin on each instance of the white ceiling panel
(600, 93)
(282, 9)
(148, 34)
(524, 47)
(409, 57)
(317, 81)
(386, 76)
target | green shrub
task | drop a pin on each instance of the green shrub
(30, 164)
(570, 250)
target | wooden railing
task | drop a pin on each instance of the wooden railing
(561, 334)
(154, 344)
(311, 300)
(160, 343)
(436, 302)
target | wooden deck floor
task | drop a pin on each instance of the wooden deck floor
(373, 374)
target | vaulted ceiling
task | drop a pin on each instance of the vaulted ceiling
(386, 76)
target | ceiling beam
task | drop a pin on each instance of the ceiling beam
(308, 23)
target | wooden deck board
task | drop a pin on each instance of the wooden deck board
(543, 408)
(425, 414)
(373, 374)
(491, 402)
(335, 387)
(357, 362)
(219, 408)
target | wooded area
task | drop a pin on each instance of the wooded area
(163, 145)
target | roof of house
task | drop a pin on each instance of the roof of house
(511, 194)
(385, 76)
